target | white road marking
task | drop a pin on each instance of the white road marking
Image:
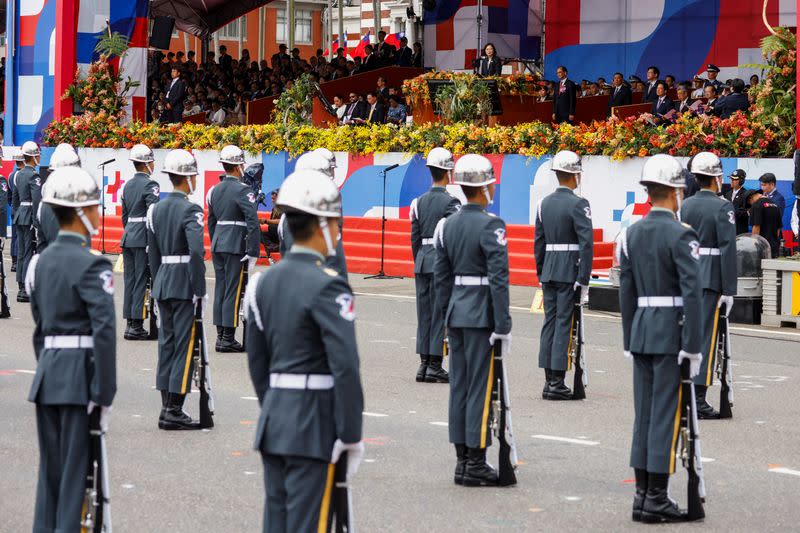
(761, 422)
(707, 460)
(783, 470)
(567, 439)
(600, 371)
(136, 416)
(369, 460)
(255, 398)
(573, 498)
(377, 415)
(249, 473)
(146, 369)
(412, 412)
(389, 296)
(26, 371)
(443, 424)
(384, 341)
(127, 486)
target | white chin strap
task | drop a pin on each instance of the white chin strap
(191, 187)
(679, 198)
(85, 220)
(719, 183)
(323, 224)
(489, 199)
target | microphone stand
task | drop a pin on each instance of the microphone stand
(382, 274)
(103, 184)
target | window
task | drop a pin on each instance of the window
(302, 26)
(230, 31)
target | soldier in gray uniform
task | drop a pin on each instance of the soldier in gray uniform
(235, 244)
(75, 346)
(660, 300)
(426, 212)
(138, 195)
(19, 164)
(563, 249)
(304, 363)
(713, 218)
(46, 225)
(175, 250)
(471, 281)
(28, 193)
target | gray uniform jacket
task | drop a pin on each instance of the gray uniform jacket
(137, 196)
(47, 227)
(4, 193)
(175, 229)
(28, 194)
(563, 220)
(73, 301)
(659, 257)
(233, 218)
(714, 220)
(426, 212)
(302, 322)
(337, 262)
(473, 242)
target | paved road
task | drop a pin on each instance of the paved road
(212, 481)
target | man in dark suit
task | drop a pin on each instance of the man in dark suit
(356, 110)
(225, 61)
(404, 54)
(565, 98)
(375, 110)
(737, 195)
(384, 51)
(736, 101)
(620, 95)
(176, 94)
(684, 102)
(652, 82)
(662, 104)
(371, 60)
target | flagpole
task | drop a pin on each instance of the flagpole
(480, 24)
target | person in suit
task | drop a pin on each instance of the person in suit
(382, 90)
(304, 364)
(384, 51)
(565, 99)
(416, 56)
(769, 186)
(375, 111)
(371, 61)
(650, 93)
(737, 195)
(620, 95)
(176, 94)
(684, 103)
(225, 60)
(712, 102)
(662, 104)
(563, 248)
(357, 110)
(489, 64)
(736, 101)
(404, 56)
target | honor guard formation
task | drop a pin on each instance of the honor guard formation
(677, 281)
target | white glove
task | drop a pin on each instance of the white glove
(355, 453)
(505, 342)
(251, 262)
(727, 301)
(628, 355)
(584, 292)
(694, 361)
(203, 302)
(104, 412)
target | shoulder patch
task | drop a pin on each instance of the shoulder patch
(346, 306)
(251, 197)
(157, 190)
(199, 218)
(695, 250)
(500, 233)
(587, 211)
(331, 272)
(731, 217)
(107, 277)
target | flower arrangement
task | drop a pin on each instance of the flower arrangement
(294, 105)
(416, 89)
(464, 100)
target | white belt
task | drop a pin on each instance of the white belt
(175, 259)
(472, 280)
(660, 301)
(709, 251)
(232, 223)
(68, 341)
(301, 381)
(25, 203)
(137, 219)
(562, 248)
(427, 241)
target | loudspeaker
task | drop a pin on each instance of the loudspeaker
(162, 32)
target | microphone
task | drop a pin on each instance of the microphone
(104, 163)
(391, 167)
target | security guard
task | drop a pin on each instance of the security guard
(713, 218)
(46, 226)
(563, 249)
(304, 362)
(138, 195)
(13, 202)
(75, 345)
(175, 250)
(713, 72)
(426, 212)
(471, 281)
(660, 300)
(235, 244)
(5, 205)
(28, 193)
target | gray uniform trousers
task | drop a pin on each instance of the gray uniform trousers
(25, 252)
(229, 271)
(134, 262)
(471, 379)
(176, 338)
(310, 484)
(430, 322)
(657, 407)
(559, 304)
(63, 464)
(710, 328)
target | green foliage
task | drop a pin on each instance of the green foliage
(465, 100)
(111, 45)
(293, 107)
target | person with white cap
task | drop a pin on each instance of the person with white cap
(425, 213)
(74, 341)
(28, 192)
(175, 250)
(5, 205)
(138, 194)
(714, 219)
(660, 299)
(563, 250)
(46, 224)
(471, 281)
(304, 364)
(13, 202)
(235, 244)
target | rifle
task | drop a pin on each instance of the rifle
(150, 305)
(724, 369)
(501, 421)
(5, 310)
(342, 498)
(242, 313)
(96, 512)
(690, 447)
(202, 371)
(577, 343)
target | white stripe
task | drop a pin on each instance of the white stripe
(137, 219)
(471, 280)
(56, 342)
(443, 424)
(254, 398)
(232, 223)
(562, 248)
(175, 259)
(376, 415)
(25, 371)
(709, 251)
(783, 470)
(426, 242)
(660, 301)
(567, 439)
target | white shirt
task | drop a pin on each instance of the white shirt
(218, 117)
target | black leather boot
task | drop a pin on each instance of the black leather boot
(136, 331)
(220, 331)
(658, 507)
(558, 389)
(13, 264)
(164, 396)
(435, 373)
(423, 368)
(461, 463)
(704, 409)
(229, 343)
(478, 473)
(641, 493)
(175, 418)
(22, 296)
(127, 328)
(548, 375)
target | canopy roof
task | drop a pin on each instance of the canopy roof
(203, 17)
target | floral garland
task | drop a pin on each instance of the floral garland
(416, 89)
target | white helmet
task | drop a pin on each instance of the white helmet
(70, 187)
(31, 149)
(64, 158)
(64, 147)
(440, 158)
(141, 153)
(314, 161)
(567, 161)
(181, 163)
(663, 169)
(327, 154)
(18, 156)
(231, 155)
(707, 164)
(473, 170)
(310, 192)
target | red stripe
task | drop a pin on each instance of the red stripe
(565, 16)
(27, 30)
(444, 35)
(139, 36)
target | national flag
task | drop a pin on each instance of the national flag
(394, 39)
(335, 47)
(359, 51)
